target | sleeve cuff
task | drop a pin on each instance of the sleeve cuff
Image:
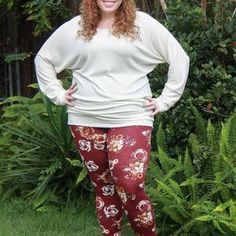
(61, 98)
(161, 106)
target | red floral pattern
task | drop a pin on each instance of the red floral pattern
(117, 161)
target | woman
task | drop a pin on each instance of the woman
(110, 48)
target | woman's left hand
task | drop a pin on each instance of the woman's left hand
(151, 105)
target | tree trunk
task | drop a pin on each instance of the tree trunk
(163, 5)
(204, 8)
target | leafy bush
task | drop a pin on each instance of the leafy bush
(209, 41)
(38, 159)
(195, 194)
(208, 38)
(42, 13)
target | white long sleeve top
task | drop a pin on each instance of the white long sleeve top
(111, 73)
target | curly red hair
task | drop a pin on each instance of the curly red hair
(124, 23)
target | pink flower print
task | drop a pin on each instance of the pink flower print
(148, 135)
(85, 145)
(99, 203)
(86, 132)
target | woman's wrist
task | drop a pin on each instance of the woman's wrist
(159, 104)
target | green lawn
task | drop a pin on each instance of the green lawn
(18, 219)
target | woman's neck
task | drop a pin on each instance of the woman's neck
(106, 20)
(107, 15)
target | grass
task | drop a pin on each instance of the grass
(17, 218)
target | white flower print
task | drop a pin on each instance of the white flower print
(99, 141)
(106, 177)
(99, 146)
(112, 163)
(91, 166)
(108, 190)
(145, 219)
(117, 234)
(147, 134)
(141, 185)
(85, 132)
(110, 211)
(104, 230)
(154, 229)
(117, 142)
(85, 145)
(140, 154)
(136, 166)
(115, 145)
(99, 203)
(135, 170)
(144, 205)
(124, 196)
(129, 141)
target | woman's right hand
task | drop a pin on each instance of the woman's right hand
(69, 92)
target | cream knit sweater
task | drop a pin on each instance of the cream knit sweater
(111, 73)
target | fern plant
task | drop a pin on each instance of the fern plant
(195, 194)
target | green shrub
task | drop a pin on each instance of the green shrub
(38, 159)
(42, 13)
(210, 43)
(195, 193)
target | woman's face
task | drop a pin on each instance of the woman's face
(109, 6)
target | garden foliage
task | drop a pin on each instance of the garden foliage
(195, 193)
(210, 42)
(192, 173)
(38, 160)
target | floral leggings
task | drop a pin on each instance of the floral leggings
(117, 161)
